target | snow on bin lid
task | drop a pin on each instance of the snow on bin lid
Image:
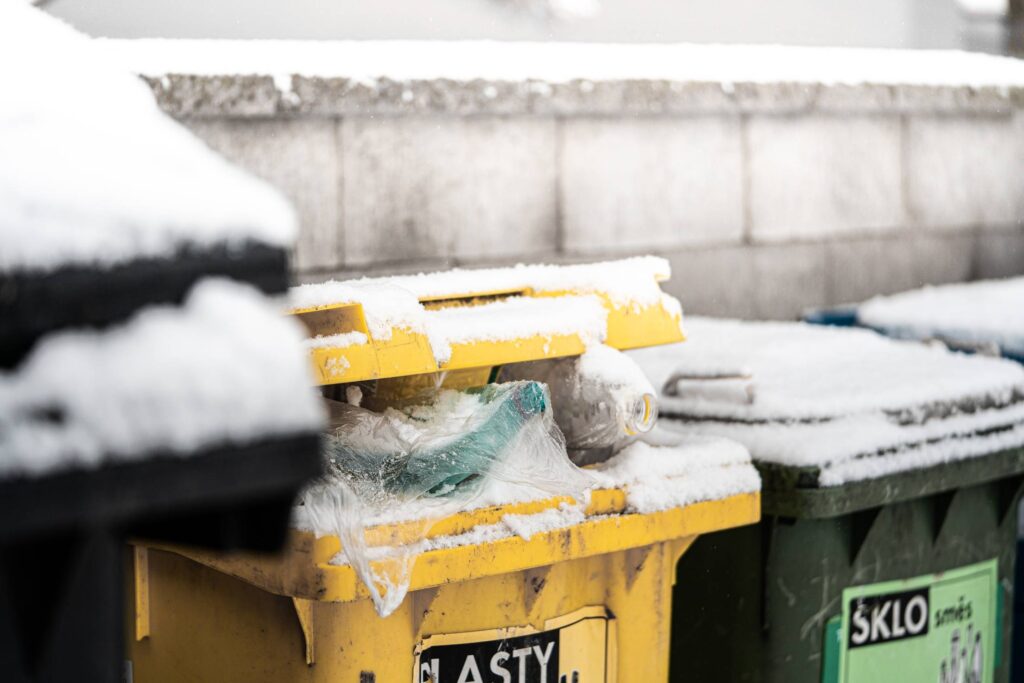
(557, 310)
(170, 380)
(91, 172)
(988, 312)
(632, 281)
(847, 401)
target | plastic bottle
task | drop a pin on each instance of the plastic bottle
(601, 400)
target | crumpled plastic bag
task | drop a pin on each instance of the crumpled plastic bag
(420, 463)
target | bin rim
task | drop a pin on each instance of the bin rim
(120, 494)
(304, 570)
(794, 491)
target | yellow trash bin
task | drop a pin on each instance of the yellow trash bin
(590, 602)
(583, 602)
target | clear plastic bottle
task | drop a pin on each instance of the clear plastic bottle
(601, 400)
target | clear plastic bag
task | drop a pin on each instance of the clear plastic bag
(602, 400)
(423, 462)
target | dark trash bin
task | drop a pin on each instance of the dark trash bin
(891, 473)
(773, 602)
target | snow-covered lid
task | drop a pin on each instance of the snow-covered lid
(847, 401)
(987, 312)
(797, 371)
(464, 61)
(225, 368)
(631, 281)
(573, 302)
(91, 172)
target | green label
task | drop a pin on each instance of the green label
(936, 628)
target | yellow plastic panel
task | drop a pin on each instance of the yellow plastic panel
(631, 327)
(490, 353)
(208, 626)
(406, 354)
(304, 570)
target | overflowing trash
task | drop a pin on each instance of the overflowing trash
(415, 449)
(432, 458)
(435, 448)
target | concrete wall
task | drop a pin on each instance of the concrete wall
(766, 198)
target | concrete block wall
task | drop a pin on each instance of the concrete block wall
(767, 199)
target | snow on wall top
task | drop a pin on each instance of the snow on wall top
(91, 172)
(224, 368)
(977, 312)
(848, 402)
(369, 61)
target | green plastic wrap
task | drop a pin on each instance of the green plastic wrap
(456, 450)
(392, 452)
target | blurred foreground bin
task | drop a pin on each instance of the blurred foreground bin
(62, 544)
(840, 583)
(590, 602)
(141, 392)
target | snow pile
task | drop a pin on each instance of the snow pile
(373, 61)
(601, 362)
(515, 318)
(385, 306)
(849, 402)
(219, 370)
(336, 341)
(92, 173)
(680, 470)
(976, 313)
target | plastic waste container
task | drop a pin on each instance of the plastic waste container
(586, 602)
(891, 472)
(973, 317)
(553, 588)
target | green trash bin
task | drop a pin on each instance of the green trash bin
(890, 472)
(775, 602)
